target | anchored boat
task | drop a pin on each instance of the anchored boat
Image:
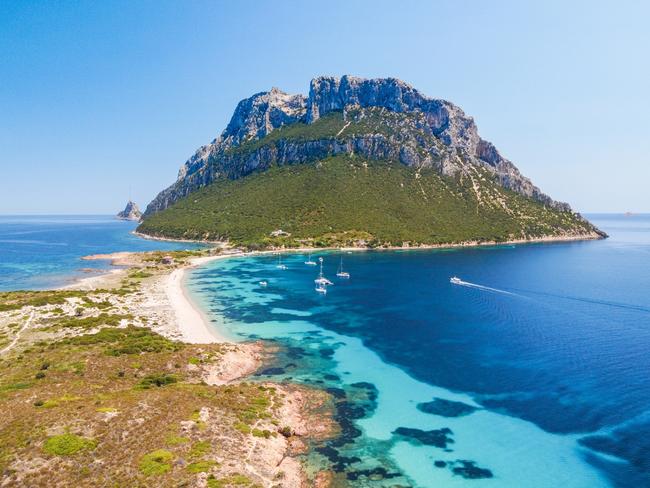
(321, 281)
(340, 273)
(280, 265)
(309, 262)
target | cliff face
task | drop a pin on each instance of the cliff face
(375, 118)
(130, 212)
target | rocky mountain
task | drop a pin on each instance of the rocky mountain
(424, 133)
(130, 212)
(374, 120)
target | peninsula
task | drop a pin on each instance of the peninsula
(118, 379)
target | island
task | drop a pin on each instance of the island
(356, 162)
(130, 212)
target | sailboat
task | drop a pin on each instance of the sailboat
(280, 265)
(321, 281)
(340, 273)
(309, 262)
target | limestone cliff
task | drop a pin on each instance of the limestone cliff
(380, 119)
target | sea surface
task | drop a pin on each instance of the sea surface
(535, 372)
(45, 251)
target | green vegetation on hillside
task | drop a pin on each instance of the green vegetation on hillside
(127, 417)
(67, 444)
(347, 200)
(92, 397)
(325, 127)
(334, 125)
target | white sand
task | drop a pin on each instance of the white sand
(193, 325)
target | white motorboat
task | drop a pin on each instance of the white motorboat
(455, 280)
(264, 283)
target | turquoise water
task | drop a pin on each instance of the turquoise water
(44, 251)
(533, 374)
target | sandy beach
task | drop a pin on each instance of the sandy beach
(166, 293)
(191, 321)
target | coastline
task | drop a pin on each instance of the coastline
(536, 240)
(192, 324)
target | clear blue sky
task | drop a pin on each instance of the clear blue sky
(97, 97)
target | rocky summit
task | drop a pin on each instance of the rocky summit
(367, 122)
(130, 212)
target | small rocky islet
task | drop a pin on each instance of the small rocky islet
(130, 212)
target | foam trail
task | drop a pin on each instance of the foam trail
(595, 301)
(486, 288)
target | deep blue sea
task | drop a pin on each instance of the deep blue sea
(44, 251)
(533, 373)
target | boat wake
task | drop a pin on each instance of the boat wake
(481, 287)
(523, 294)
(595, 301)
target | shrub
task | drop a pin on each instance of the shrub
(156, 462)
(286, 431)
(130, 340)
(103, 319)
(13, 300)
(68, 444)
(234, 479)
(261, 433)
(175, 440)
(157, 379)
(242, 427)
(200, 448)
(200, 466)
